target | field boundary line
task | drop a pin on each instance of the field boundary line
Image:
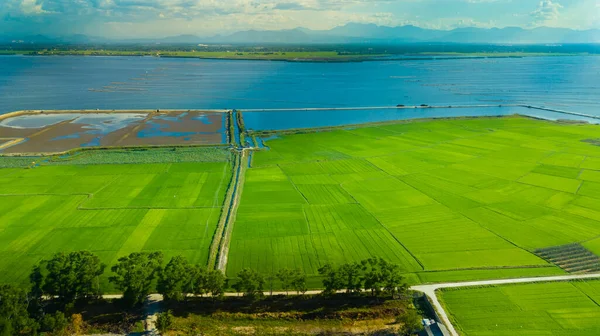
(238, 186)
(151, 208)
(219, 231)
(142, 123)
(386, 228)
(499, 235)
(581, 170)
(294, 185)
(81, 150)
(408, 107)
(35, 112)
(216, 200)
(10, 142)
(559, 111)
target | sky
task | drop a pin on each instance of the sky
(159, 18)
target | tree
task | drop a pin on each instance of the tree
(285, 276)
(134, 275)
(69, 276)
(55, 323)
(164, 322)
(14, 318)
(373, 276)
(198, 279)
(174, 279)
(332, 281)
(216, 282)
(351, 277)
(393, 282)
(410, 320)
(299, 281)
(250, 283)
(36, 293)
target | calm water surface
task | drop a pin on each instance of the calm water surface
(71, 82)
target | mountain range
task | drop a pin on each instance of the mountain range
(353, 33)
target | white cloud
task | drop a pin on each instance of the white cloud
(546, 11)
(32, 7)
(206, 17)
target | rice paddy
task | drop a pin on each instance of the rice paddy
(110, 209)
(560, 308)
(448, 200)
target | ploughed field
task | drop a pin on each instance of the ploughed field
(448, 200)
(559, 308)
(94, 201)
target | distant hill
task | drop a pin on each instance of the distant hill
(357, 33)
(365, 33)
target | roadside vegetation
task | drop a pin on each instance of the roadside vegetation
(67, 284)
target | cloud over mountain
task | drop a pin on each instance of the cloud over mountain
(138, 18)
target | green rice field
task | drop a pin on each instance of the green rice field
(448, 200)
(109, 209)
(559, 308)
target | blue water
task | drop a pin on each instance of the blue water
(260, 121)
(236, 129)
(71, 82)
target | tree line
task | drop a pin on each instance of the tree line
(68, 278)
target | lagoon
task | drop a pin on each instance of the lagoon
(74, 82)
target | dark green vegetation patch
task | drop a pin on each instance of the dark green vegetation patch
(573, 258)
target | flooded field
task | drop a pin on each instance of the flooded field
(59, 132)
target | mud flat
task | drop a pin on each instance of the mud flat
(60, 131)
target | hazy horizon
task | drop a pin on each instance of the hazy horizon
(162, 18)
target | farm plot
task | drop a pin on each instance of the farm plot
(111, 210)
(527, 309)
(445, 196)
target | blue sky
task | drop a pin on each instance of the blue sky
(155, 18)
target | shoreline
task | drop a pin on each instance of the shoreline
(263, 133)
(341, 59)
(13, 114)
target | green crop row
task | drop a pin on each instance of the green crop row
(142, 156)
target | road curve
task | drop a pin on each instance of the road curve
(429, 290)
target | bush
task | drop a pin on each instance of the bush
(55, 323)
(164, 321)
